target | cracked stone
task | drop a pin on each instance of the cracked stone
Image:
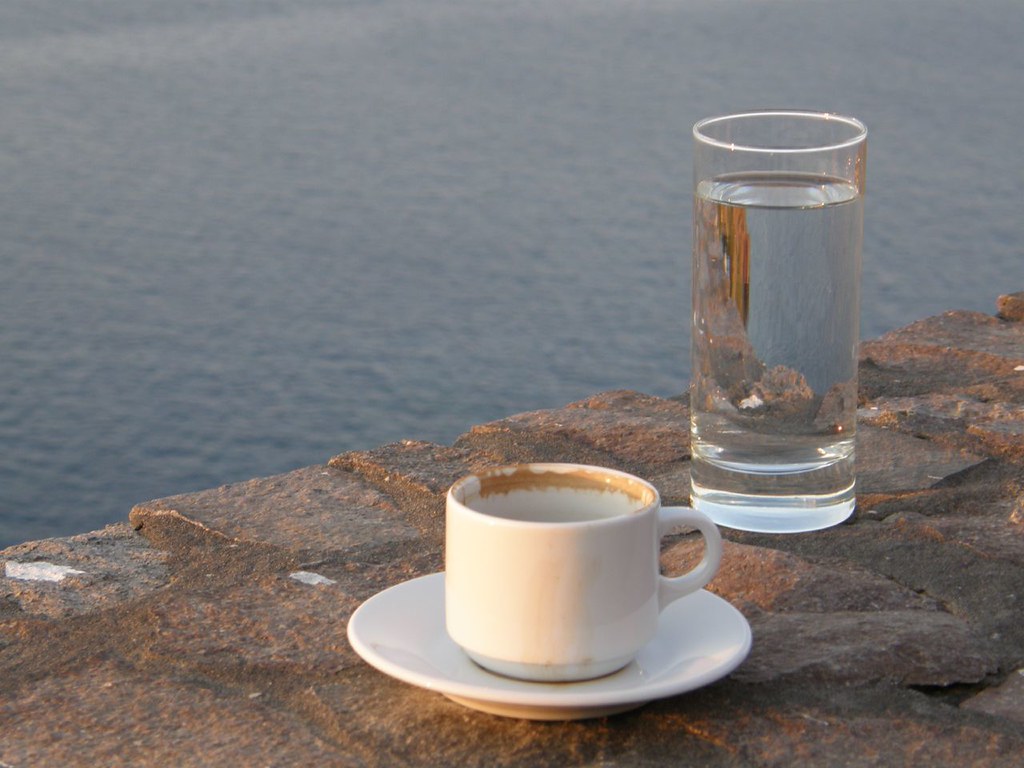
(316, 509)
(998, 428)
(415, 476)
(108, 714)
(1004, 700)
(837, 622)
(417, 466)
(890, 461)
(108, 567)
(915, 647)
(959, 352)
(992, 536)
(271, 622)
(621, 428)
(365, 706)
(774, 581)
(784, 725)
(962, 331)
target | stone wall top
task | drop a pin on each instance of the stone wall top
(210, 627)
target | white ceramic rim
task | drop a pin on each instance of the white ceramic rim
(852, 122)
(624, 687)
(459, 485)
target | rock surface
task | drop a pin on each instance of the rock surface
(211, 630)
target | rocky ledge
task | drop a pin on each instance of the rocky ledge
(210, 629)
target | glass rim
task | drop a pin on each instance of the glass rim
(858, 137)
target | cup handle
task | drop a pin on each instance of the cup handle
(672, 588)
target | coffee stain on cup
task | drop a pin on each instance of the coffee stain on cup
(532, 477)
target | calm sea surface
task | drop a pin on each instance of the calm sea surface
(241, 236)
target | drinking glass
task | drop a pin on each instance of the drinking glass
(777, 230)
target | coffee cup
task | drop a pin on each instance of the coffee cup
(552, 570)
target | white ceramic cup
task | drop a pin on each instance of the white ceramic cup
(552, 570)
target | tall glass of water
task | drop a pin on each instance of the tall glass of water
(777, 229)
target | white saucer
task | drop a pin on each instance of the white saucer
(401, 632)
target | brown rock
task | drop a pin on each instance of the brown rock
(789, 725)
(984, 589)
(391, 723)
(837, 622)
(915, 647)
(415, 477)
(623, 429)
(108, 714)
(274, 621)
(889, 461)
(773, 581)
(989, 428)
(961, 331)
(414, 466)
(993, 535)
(1010, 306)
(112, 566)
(958, 352)
(1002, 438)
(316, 509)
(1004, 700)
(672, 482)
